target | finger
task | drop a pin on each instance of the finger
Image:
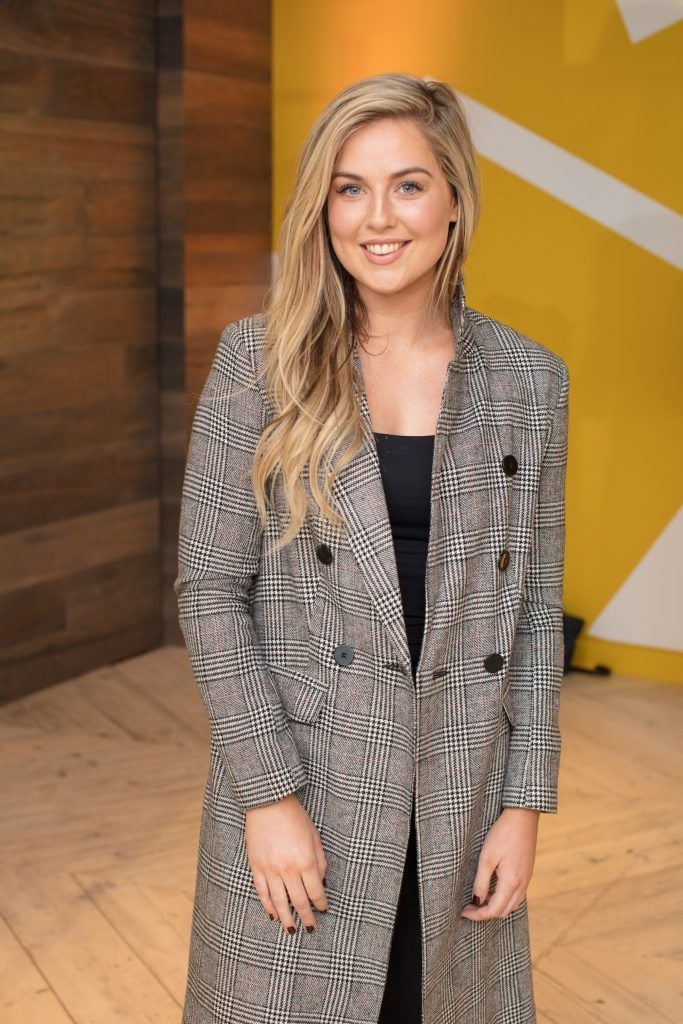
(263, 892)
(481, 887)
(496, 904)
(300, 901)
(499, 905)
(473, 909)
(323, 864)
(280, 898)
(509, 893)
(315, 890)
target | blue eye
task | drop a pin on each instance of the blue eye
(344, 188)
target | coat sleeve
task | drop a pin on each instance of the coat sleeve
(537, 658)
(219, 546)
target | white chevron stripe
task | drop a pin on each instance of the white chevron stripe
(600, 196)
(643, 18)
(646, 609)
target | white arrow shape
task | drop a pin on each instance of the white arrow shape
(647, 610)
(643, 18)
(600, 196)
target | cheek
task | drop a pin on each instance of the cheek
(429, 219)
(342, 221)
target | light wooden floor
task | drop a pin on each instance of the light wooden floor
(102, 780)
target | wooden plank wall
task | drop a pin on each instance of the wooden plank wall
(135, 204)
(171, 305)
(79, 460)
(214, 130)
(227, 168)
(226, 195)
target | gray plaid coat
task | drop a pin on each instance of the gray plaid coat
(303, 665)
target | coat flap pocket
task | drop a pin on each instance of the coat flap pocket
(302, 695)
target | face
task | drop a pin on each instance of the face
(387, 186)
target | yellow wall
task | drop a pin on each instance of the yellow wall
(570, 73)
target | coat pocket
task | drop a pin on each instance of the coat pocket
(302, 695)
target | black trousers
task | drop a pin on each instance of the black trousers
(402, 1001)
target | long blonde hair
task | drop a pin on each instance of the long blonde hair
(312, 308)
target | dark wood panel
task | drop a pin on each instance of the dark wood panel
(79, 448)
(135, 202)
(34, 554)
(242, 48)
(255, 16)
(49, 430)
(52, 86)
(34, 157)
(171, 148)
(87, 30)
(77, 129)
(94, 603)
(62, 381)
(28, 675)
(80, 261)
(55, 317)
(89, 478)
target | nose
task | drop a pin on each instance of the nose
(381, 215)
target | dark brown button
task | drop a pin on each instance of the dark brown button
(324, 554)
(492, 662)
(510, 465)
(503, 559)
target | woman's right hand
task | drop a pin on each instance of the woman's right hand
(287, 861)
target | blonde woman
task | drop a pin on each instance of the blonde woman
(370, 589)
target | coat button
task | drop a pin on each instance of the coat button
(510, 465)
(343, 654)
(324, 554)
(492, 662)
(503, 559)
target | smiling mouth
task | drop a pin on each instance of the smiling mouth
(386, 249)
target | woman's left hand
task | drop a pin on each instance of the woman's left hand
(510, 850)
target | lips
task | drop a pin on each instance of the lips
(368, 244)
(383, 259)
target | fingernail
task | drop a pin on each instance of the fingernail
(310, 927)
(325, 881)
(324, 910)
(291, 929)
(476, 901)
(271, 916)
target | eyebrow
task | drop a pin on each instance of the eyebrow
(396, 174)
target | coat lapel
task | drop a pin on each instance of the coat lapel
(359, 490)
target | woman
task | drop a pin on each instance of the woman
(370, 579)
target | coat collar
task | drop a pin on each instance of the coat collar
(359, 490)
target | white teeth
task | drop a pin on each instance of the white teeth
(382, 250)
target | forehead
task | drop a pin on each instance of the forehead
(385, 145)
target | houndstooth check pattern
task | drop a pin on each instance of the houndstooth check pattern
(357, 741)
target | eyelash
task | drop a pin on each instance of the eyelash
(342, 190)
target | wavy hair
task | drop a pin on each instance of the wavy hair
(312, 307)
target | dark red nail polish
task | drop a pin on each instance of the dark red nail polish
(325, 881)
(271, 916)
(310, 927)
(476, 901)
(291, 928)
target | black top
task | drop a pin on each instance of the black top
(406, 467)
